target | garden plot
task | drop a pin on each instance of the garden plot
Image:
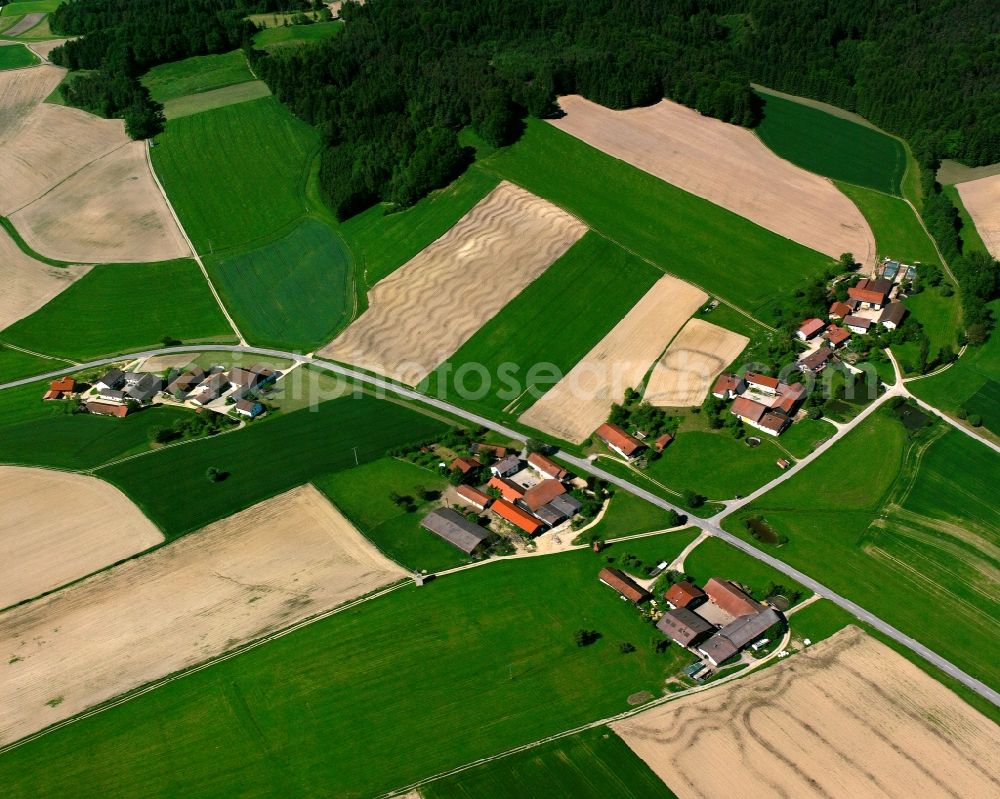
(425, 310)
(580, 401)
(262, 569)
(981, 199)
(109, 211)
(846, 718)
(685, 373)
(728, 166)
(59, 526)
(29, 284)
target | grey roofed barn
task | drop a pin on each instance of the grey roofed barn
(718, 648)
(566, 504)
(683, 626)
(745, 629)
(454, 528)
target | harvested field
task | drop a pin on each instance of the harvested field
(424, 311)
(266, 567)
(981, 198)
(728, 166)
(25, 24)
(43, 49)
(29, 284)
(20, 91)
(161, 363)
(581, 400)
(215, 98)
(111, 210)
(60, 526)
(846, 718)
(685, 373)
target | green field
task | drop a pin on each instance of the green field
(725, 254)
(294, 293)
(15, 56)
(413, 683)
(236, 175)
(595, 763)
(118, 308)
(831, 146)
(715, 558)
(978, 370)
(265, 459)
(15, 364)
(627, 515)
(556, 320)
(898, 232)
(293, 35)
(363, 496)
(196, 74)
(37, 433)
(215, 98)
(383, 242)
(803, 437)
(22, 7)
(819, 620)
(911, 533)
(971, 240)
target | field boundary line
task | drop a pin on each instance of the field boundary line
(240, 426)
(8, 345)
(191, 247)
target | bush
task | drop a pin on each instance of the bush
(976, 420)
(962, 413)
(625, 647)
(585, 637)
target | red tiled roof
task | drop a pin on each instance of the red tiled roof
(515, 515)
(547, 466)
(493, 449)
(762, 380)
(726, 383)
(662, 442)
(811, 327)
(682, 594)
(52, 394)
(730, 598)
(543, 493)
(866, 295)
(840, 309)
(466, 465)
(614, 435)
(474, 495)
(836, 335)
(508, 490)
(623, 584)
(107, 409)
(789, 396)
(747, 408)
(63, 384)
(773, 422)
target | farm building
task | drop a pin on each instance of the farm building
(783, 463)
(810, 329)
(684, 627)
(839, 310)
(474, 497)
(892, 315)
(717, 649)
(758, 416)
(507, 466)
(684, 595)
(112, 379)
(621, 442)
(508, 489)
(466, 466)
(737, 634)
(454, 528)
(185, 383)
(624, 585)
(516, 516)
(142, 386)
(870, 293)
(494, 450)
(251, 410)
(857, 324)
(107, 409)
(542, 494)
(763, 383)
(836, 335)
(730, 598)
(566, 504)
(728, 386)
(816, 361)
(112, 395)
(546, 467)
(890, 270)
(61, 388)
(211, 388)
(789, 398)
(663, 442)
(244, 379)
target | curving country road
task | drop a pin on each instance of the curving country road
(709, 525)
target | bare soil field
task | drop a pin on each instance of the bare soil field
(579, 402)
(425, 310)
(262, 569)
(981, 198)
(846, 718)
(29, 284)
(25, 24)
(728, 166)
(43, 49)
(53, 142)
(59, 526)
(111, 210)
(160, 363)
(687, 370)
(21, 90)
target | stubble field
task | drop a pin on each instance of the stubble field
(982, 200)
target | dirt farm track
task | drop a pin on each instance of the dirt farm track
(263, 568)
(846, 718)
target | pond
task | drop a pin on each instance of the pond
(762, 531)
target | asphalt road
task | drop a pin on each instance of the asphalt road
(709, 525)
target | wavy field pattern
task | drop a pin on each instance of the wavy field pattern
(429, 307)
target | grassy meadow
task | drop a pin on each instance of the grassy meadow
(119, 308)
(626, 515)
(195, 75)
(904, 526)
(15, 364)
(725, 254)
(293, 293)
(595, 763)
(363, 495)
(236, 175)
(404, 686)
(295, 35)
(557, 320)
(22, 7)
(15, 56)
(265, 459)
(215, 98)
(831, 146)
